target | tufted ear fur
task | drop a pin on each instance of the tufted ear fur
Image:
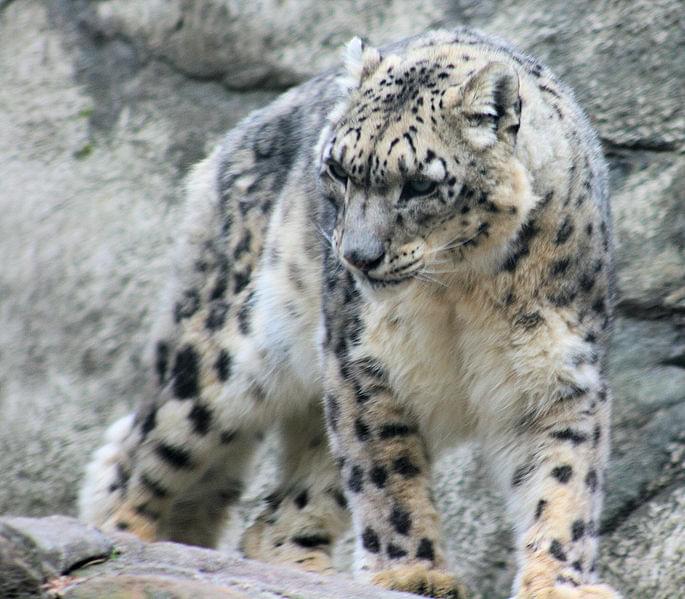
(489, 104)
(361, 61)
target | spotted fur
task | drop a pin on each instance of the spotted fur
(410, 253)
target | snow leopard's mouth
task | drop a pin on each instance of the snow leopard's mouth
(393, 276)
(385, 282)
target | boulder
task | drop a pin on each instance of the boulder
(60, 558)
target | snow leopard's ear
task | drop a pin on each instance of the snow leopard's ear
(488, 104)
(361, 60)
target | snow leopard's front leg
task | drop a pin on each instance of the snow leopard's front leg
(553, 469)
(383, 461)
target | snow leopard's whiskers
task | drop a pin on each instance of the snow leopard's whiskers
(453, 244)
(422, 275)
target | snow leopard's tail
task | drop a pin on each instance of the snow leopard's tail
(100, 492)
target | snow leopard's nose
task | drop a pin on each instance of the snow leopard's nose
(365, 258)
(365, 228)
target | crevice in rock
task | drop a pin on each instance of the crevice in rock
(92, 35)
(620, 516)
(104, 63)
(641, 145)
(263, 84)
(4, 4)
(644, 496)
(678, 361)
(85, 562)
(653, 473)
(653, 311)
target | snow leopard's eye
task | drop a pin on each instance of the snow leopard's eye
(417, 188)
(337, 172)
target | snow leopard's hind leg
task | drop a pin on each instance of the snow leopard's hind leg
(307, 512)
(170, 483)
(170, 470)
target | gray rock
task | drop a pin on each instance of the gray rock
(21, 574)
(128, 587)
(650, 229)
(88, 203)
(631, 91)
(622, 60)
(33, 551)
(264, 44)
(124, 567)
(646, 555)
(58, 542)
(254, 578)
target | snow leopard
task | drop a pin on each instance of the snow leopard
(395, 257)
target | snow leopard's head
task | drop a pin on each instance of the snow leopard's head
(418, 164)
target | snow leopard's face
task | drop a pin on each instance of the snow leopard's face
(420, 170)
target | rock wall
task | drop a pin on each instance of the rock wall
(105, 105)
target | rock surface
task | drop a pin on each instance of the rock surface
(105, 105)
(123, 567)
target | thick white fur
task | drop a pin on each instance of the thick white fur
(96, 501)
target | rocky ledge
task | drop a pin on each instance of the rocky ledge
(60, 558)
